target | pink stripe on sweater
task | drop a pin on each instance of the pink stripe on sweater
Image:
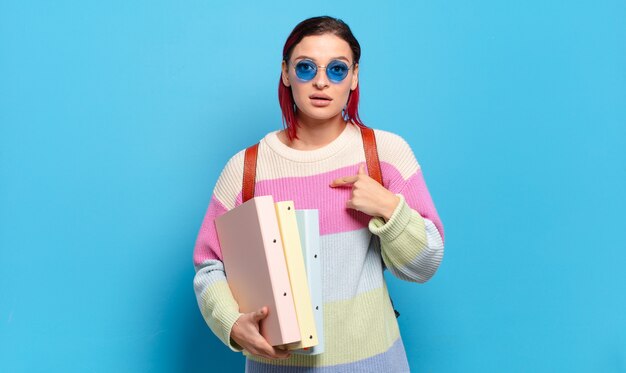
(314, 192)
(418, 197)
(334, 216)
(207, 245)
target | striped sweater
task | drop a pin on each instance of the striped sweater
(360, 329)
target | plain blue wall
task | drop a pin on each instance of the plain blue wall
(117, 117)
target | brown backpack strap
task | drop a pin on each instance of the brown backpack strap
(371, 154)
(249, 172)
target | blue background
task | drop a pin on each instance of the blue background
(117, 117)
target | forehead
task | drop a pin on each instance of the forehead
(322, 48)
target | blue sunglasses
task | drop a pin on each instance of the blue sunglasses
(336, 70)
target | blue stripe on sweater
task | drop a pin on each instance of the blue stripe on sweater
(392, 361)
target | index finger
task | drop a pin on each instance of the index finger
(346, 180)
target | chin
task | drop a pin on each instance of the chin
(321, 113)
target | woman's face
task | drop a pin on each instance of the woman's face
(321, 49)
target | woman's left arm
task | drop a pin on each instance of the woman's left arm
(411, 244)
(403, 217)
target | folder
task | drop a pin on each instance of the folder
(255, 266)
(309, 229)
(288, 224)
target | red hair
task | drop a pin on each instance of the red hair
(317, 26)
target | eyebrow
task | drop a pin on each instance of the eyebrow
(333, 58)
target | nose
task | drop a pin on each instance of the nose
(321, 80)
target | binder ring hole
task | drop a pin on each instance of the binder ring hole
(288, 207)
(285, 294)
(315, 255)
(274, 240)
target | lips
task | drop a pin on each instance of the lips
(319, 100)
(320, 96)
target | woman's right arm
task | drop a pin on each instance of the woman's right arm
(216, 302)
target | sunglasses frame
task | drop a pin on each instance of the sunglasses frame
(318, 67)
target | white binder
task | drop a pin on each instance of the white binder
(309, 228)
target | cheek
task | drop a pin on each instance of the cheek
(343, 92)
(298, 93)
(346, 89)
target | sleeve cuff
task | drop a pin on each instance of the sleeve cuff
(220, 311)
(228, 324)
(396, 224)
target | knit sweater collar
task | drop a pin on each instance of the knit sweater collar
(349, 134)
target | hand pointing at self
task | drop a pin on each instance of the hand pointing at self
(368, 196)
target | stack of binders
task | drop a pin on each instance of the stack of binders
(271, 257)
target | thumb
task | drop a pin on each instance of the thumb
(361, 169)
(260, 314)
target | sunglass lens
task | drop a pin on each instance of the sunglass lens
(337, 71)
(306, 70)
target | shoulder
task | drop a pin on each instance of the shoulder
(395, 151)
(229, 182)
(388, 138)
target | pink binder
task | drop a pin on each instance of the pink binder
(255, 267)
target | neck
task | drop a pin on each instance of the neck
(314, 133)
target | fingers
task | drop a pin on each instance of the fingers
(346, 180)
(264, 349)
(272, 352)
(351, 205)
(349, 180)
(249, 337)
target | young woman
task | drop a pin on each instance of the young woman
(318, 161)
